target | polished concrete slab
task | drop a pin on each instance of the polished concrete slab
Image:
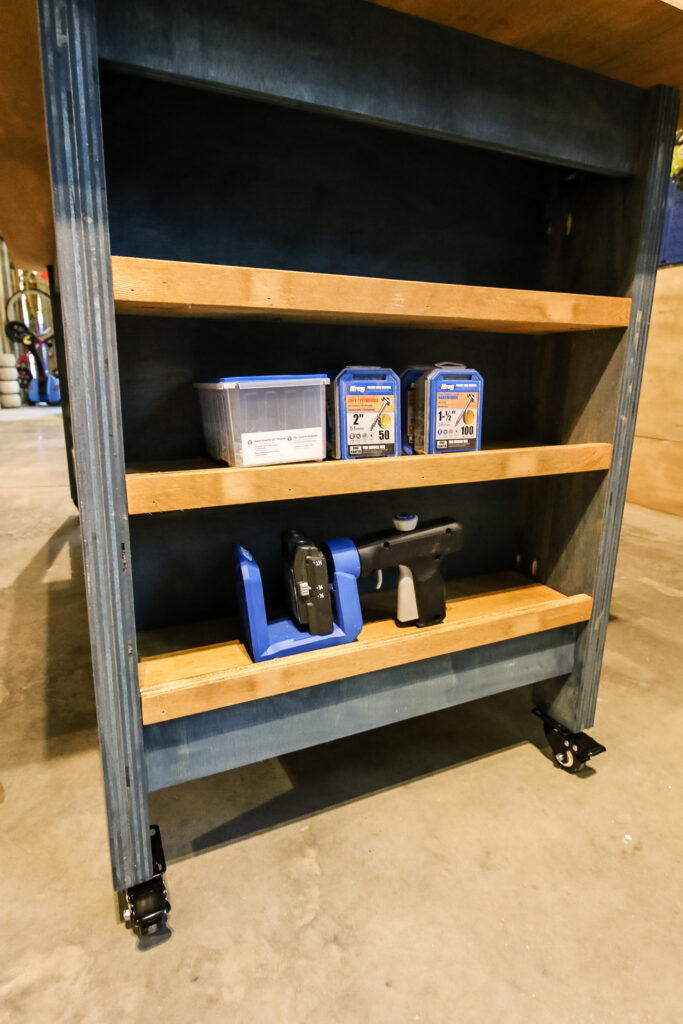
(439, 870)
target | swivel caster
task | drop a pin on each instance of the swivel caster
(571, 750)
(146, 905)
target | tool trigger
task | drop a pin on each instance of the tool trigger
(378, 584)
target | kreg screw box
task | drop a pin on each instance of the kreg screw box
(364, 413)
(448, 409)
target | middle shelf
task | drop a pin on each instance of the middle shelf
(168, 487)
(183, 673)
(145, 287)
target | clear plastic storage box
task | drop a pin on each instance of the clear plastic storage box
(263, 421)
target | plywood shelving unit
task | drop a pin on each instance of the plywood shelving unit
(482, 611)
(409, 195)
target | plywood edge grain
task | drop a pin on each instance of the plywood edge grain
(159, 490)
(166, 288)
(205, 678)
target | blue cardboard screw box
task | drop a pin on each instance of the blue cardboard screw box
(364, 411)
(448, 410)
(409, 379)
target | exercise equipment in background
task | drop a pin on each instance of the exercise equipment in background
(40, 386)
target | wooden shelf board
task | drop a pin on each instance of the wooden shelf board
(484, 610)
(173, 488)
(166, 288)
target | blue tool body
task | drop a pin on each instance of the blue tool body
(283, 636)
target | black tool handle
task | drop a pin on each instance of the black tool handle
(430, 592)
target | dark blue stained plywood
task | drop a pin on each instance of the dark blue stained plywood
(160, 358)
(373, 64)
(210, 178)
(672, 238)
(183, 565)
(189, 748)
(87, 309)
(573, 701)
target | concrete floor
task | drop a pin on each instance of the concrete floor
(438, 871)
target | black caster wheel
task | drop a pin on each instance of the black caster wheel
(566, 755)
(146, 906)
(571, 750)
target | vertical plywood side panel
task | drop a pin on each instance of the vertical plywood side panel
(589, 535)
(70, 71)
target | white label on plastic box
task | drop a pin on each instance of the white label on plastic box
(267, 447)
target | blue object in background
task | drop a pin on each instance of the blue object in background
(52, 393)
(280, 637)
(672, 238)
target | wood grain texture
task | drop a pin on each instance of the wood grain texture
(25, 195)
(660, 412)
(658, 131)
(87, 307)
(638, 41)
(364, 63)
(296, 189)
(587, 538)
(197, 745)
(656, 476)
(480, 611)
(163, 287)
(174, 489)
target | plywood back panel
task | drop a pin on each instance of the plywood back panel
(660, 413)
(210, 178)
(656, 476)
(182, 562)
(378, 66)
(160, 358)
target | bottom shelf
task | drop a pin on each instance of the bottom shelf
(183, 673)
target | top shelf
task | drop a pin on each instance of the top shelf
(167, 288)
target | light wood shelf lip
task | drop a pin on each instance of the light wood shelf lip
(168, 288)
(159, 490)
(480, 612)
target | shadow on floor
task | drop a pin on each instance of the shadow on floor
(211, 812)
(46, 659)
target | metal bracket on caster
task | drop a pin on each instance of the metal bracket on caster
(571, 750)
(146, 904)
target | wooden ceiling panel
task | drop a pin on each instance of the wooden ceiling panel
(25, 194)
